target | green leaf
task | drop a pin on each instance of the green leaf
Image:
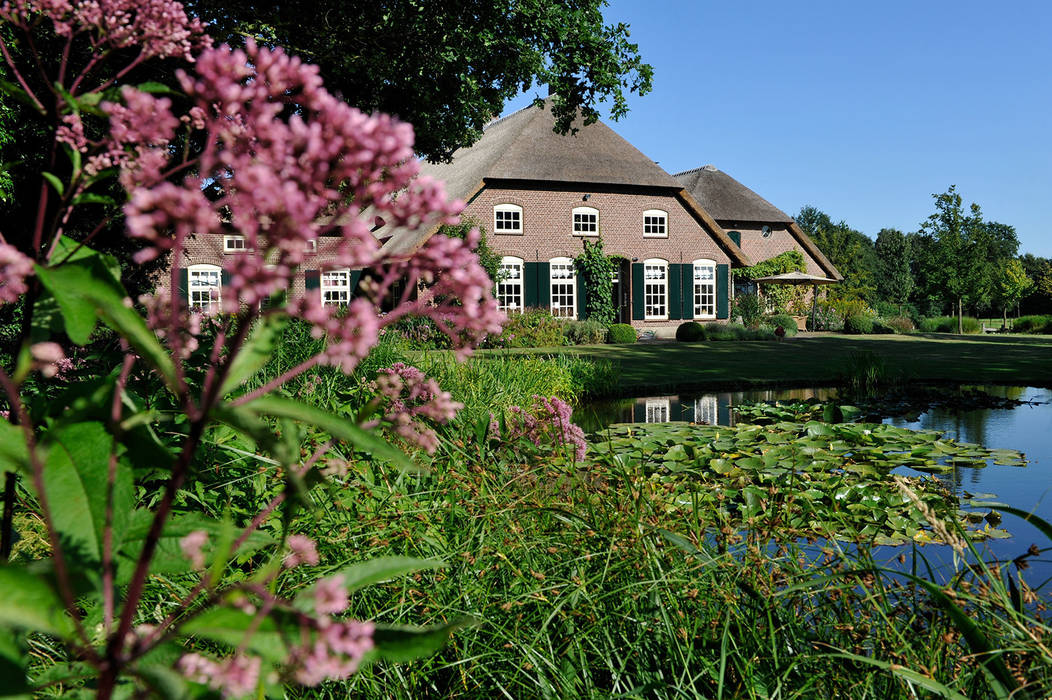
(908, 675)
(228, 626)
(337, 426)
(75, 481)
(256, 352)
(13, 655)
(155, 88)
(400, 643)
(85, 288)
(14, 456)
(55, 182)
(29, 602)
(91, 198)
(16, 92)
(367, 573)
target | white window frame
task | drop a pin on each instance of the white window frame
(658, 410)
(510, 288)
(697, 288)
(707, 409)
(655, 289)
(583, 226)
(562, 287)
(312, 245)
(201, 280)
(656, 220)
(234, 244)
(507, 219)
(335, 286)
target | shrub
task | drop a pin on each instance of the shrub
(901, 324)
(690, 331)
(787, 322)
(587, 332)
(948, 324)
(533, 328)
(1033, 324)
(749, 308)
(857, 323)
(621, 333)
(736, 331)
(881, 326)
(827, 318)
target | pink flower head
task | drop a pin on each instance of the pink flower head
(48, 358)
(191, 546)
(302, 550)
(234, 677)
(14, 269)
(330, 595)
(335, 655)
(411, 397)
(549, 420)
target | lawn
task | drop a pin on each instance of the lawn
(820, 359)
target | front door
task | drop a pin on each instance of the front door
(622, 291)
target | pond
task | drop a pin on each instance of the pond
(1027, 428)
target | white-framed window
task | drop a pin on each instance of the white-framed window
(563, 287)
(655, 223)
(509, 289)
(204, 284)
(507, 218)
(704, 289)
(657, 410)
(585, 221)
(312, 245)
(335, 287)
(706, 410)
(235, 244)
(655, 289)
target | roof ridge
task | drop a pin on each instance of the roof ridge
(708, 167)
(506, 117)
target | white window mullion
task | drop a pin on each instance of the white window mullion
(509, 289)
(563, 296)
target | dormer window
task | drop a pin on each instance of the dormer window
(585, 221)
(507, 218)
(235, 244)
(655, 223)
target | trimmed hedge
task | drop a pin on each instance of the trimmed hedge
(690, 331)
(858, 324)
(621, 333)
(1033, 324)
(948, 324)
(787, 322)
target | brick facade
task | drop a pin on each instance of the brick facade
(759, 248)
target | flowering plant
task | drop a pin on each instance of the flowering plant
(251, 144)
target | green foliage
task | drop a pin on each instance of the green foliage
(949, 324)
(736, 331)
(1011, 284)
(690, 331)
(785, 321)
(597, 270)
(1033, 324)
(894, 253)
(857, 323)
(448, 69)
(777, 296)
(533, 328)
(588, 332)
(621, 333)
(851, 251)
(901, 324)
(489, 259)
(749, 308)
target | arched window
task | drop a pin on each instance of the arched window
(655, 223)
(655, 289)
(335, 287)
(204, 284)
(704, 289)
(585, 221)
(564, 287)
(507, 218)
(509, 289)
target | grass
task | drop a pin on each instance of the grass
(822, 359)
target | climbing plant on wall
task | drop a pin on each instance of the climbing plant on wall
(597, 270)
(779, 297)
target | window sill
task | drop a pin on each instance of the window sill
(655, 235)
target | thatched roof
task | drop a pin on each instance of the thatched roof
(727, 199)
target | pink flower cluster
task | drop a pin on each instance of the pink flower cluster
(335, 654)
(413, 396)
(235, 676)
(14, 269)
(160, 28)
(549, 420)
(50, 359)
(192, 547)
(302, 550)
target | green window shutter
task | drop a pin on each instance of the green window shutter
(544, 285)
(674, 277)
(312, 279)
(687, 296)
(356, 277)
(736, 236)
(637, 292)
(529, 284)
(582, 298)
(723, 291)
(184, 285)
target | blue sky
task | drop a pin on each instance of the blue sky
(860, 109)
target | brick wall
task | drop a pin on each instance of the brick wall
(759, 248)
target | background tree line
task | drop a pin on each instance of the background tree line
(956, 262)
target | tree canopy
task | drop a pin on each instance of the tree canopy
(449, 67)
(851, 251)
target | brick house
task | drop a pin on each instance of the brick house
(540, 195)
(759, 228)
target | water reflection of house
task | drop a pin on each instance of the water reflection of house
(706, 409)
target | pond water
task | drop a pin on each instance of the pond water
(1027, 428)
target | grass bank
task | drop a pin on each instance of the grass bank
(818, 359)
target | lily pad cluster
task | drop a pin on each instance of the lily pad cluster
(802, 478)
